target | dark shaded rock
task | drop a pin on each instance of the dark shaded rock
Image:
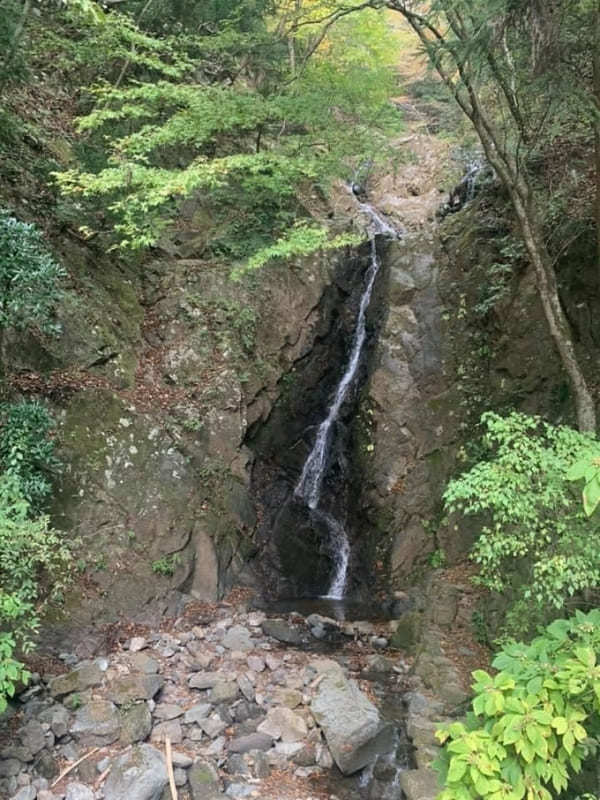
(46, 765)
(408, 631)
(284, 631)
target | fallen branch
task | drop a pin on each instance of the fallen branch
(66, 771)
(169, 761)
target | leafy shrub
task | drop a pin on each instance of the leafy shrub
(534, 723)
(535, 539)
(34, 564)
(28, 277)
(26, 451)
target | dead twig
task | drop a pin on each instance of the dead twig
(169, 761)
(66, 771)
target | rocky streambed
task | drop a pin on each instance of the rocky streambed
(302, 707)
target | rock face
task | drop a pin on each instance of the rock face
(352, 726)
(138, 775)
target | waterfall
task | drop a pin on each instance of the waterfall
(309, 486)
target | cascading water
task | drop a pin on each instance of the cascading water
(315, 466)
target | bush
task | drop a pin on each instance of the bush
(26, 451)
(28, 277)
(536, 541)
(534, 723)
(34, 565)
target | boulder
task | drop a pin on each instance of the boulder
(419, 784)
(282, 723)
(84, 677)
(284, 631)
(96, 724)
(136, 724)
(352, 726)
(136, 686)
(139, 774)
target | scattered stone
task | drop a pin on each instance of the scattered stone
(238, 638)
(203, 680)
(283, 723)
(284, 631)
(142, 662)
(255, 663)
(136, 724)
(272, 662)
(246, 688)
(136, 686)
(84, 677)
(171, 728)
(96, 724)
(212, 727)
(352, 726)
(204, 781)
(181, 760)
(180, 777)
(420, 784)
(26, 793)
(196, 713)
(139, 774)
(253, 741)
(79, 791)
(137, 643)
(223, 692)
(33, 736)
(166, 711)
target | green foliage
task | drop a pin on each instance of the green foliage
(27, 451)
(437, 559)
(166, 565)
(34, 566)
(535, 540)
(533, 723)
(225, 119)
(29, 277)
(587, 468)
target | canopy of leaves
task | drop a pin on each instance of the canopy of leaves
(535, 541)
(533, 723)
(241, 115)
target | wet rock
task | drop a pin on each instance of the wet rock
(253, 741)
(283, 723)
(139, 774)
(284, 631)
(352, 726)
(137, 686)
(79, 791)
(96, 724)
(136, 724)
(84, 677)
(419, 784)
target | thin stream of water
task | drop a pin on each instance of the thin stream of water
(315, 467)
